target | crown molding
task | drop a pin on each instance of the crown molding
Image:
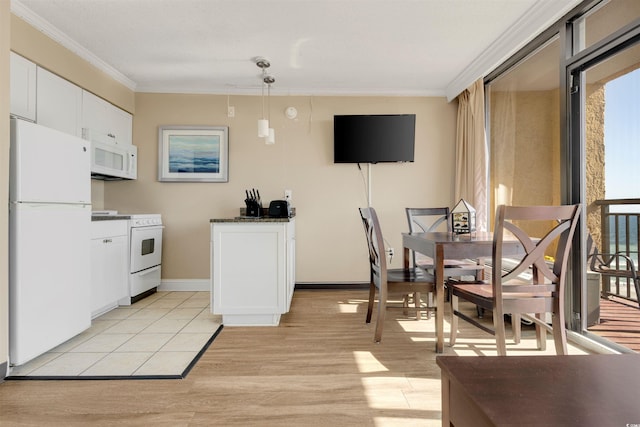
(537, 19)
(26, 14)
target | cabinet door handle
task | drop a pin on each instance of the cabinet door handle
(107, 241)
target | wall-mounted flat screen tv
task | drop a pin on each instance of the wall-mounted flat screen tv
(373, 138)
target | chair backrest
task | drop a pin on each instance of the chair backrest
(375, 244)
(619, 264)
(426, 220)
(594, 257)
(511, 221)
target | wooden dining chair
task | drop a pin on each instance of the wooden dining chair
(528, 286)
(387, 281)
(618, 265)
(428, 220)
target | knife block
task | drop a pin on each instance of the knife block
(253, 208)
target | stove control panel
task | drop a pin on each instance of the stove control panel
(145, 220)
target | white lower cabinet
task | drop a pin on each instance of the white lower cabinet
(252, 271)
(109, 253)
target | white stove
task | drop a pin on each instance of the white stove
(144, 220)
(145, 254)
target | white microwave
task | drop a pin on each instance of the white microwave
(113, 162)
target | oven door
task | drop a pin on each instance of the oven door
(146, 247)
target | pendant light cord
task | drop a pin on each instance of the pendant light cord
(263, 74)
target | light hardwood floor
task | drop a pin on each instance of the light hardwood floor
(320, 367)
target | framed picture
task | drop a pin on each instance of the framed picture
(193, 153)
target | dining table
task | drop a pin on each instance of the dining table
(441, 246)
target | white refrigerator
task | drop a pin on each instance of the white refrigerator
(49, 239)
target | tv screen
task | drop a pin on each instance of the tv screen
(373, 138)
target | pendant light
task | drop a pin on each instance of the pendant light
(271, 134)
(263, 123)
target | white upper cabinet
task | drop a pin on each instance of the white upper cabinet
(23, 87)
(59, 103)
(104, 122)
(47, 99)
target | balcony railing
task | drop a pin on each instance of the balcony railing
(620, 220)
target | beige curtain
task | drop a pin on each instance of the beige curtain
(471, 152)
(503, 146)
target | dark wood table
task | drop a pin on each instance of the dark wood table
(592, 390)
(442, 245)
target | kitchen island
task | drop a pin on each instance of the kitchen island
(252, 269)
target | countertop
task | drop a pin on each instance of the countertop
(264, 218)
(252, 219)
(109, 217)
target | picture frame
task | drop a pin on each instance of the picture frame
(193, 154)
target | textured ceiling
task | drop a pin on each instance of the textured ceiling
(369, 47)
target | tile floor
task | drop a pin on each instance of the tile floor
(157, 336)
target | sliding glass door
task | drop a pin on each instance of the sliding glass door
(563, 126)
(605, 129)
(524, 131)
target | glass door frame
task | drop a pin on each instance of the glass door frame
(575, 68)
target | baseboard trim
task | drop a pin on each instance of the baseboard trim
(189, 285)
(198, 285)
(332, 285)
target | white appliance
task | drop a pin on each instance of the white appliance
(113, 162)
(49, 239)
(145, 255)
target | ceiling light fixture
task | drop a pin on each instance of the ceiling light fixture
(263, 123)
(271, 133)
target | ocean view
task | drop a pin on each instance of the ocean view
(626, 234)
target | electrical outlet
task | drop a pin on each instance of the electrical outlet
(231, 111)
(390, 250)
(287, 195)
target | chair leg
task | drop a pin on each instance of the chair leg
(479, 278)
(417, 302)
(498, 325)
(382, 310)
(372, 297)
(541, 333)
(559, 333)
(405, 304)
(516, 326)
(454, 319)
